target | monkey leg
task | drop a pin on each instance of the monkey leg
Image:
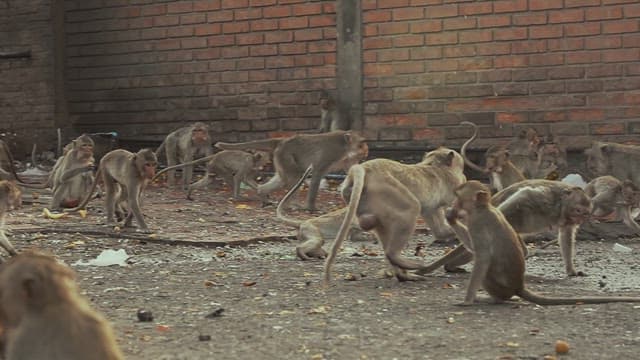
(436, 222)
(200, 184)
(6, 244)
(133, 193)
(478, 275)
(567, 238)
(172, 160)
(451, 261)
(627, 219)
(316, 178)
(110, 192)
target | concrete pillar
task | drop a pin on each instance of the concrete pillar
(349, 63)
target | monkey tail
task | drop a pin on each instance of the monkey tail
(543, 300)
(197, 161)
(356, 177)
(285, 200)
(160, 148)
(267, 145)
(12, 170)
(87, 198)
(463, 150)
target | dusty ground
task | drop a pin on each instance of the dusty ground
(274, 308)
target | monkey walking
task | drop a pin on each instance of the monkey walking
(499, 264)
(386, 197)
(533, 206)
(234, 166)
(125, 175)
(313, 232)
(10, 198)
(291, 156)
(610, 195)
(44, 315)
(182, 145)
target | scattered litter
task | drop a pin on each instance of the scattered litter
(49, 215)
(144, 315)
(562, 347)
(575, 180)
(621, 248)
(107, 258)
(204, 337)
(215, 313)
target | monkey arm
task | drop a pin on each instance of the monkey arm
(628, 220)
(462, 232)
(76, 171)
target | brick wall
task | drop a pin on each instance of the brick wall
(249, 68)
(568, 67)
(27, 96)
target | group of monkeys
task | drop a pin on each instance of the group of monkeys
(383, 196)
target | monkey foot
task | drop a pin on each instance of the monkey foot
(456, 269)
(402, 277)
(577, 273)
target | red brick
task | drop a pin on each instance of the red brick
(476, 8)
(234, 4)
(309, 60)
(546, 59)
(391, 28)
(432, 134)
(153, 33)
(425, 2)
(276, 11)
(613, 2)
(509, 6)
(376, 43)
(426, 26)
(586, 114)
(292, 48)
(235, 52)
(428, 52)
(608, 129)
(263, 50)
(201, 5)
(263, 2)
(166, 20)
(606, 70)
(407, 14)
(278, 37)
(441, 11)
(279, 62)
(179, 7)
(545, 32)
(247, 14)
(369, 4)
(322, 46)
(392, 4)
(154, 10)
(544, 4)
(329, 8)
(208, 54)
(581, 3)
(459, 51)
(308, 34)
(475, 36)
(565, 44)
(264, 24)
(494, 21)
(249, 39)
(195, 18)
(222, 15)
(322, 72)
(494, 49)
(208, 29)
(180, 31)
(307, 9)
(376, 16)
(167, 44)
(510, 118)
(322, 20)
(370, 30)
(620, 26)
(221, 40)
(442, 38)
(235, 27)
(530, 19)
(631, 11)
(584, 29)
(193, 43)
(566, 16)
(621, 55)
(377, 69)
(408, 40)
(603, 13)
(392, 55)
(583, 57)
(511, 61)
(527, 47)
(603, 42)
(510, 34)
(631, 40)
(294, 23)
(442, 65)
(475, 63)
(460, 23)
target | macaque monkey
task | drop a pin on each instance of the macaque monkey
(498, 166)
(532, 206)
(234, 166)
(44, 315)
(617, 160)
(182, 145)
(313, 232)
(329, 115)
(10, 198)
(291, 157)
(7, 166)
(124, 175)
(523, 150)
(72, 175)
(386, 197)
(499, 264)
(610, 195)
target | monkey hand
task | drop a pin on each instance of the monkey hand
(451, 215)
(92, 167)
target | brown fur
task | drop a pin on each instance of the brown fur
(610, 195)
(329, 115)
(122, 169)
(291, 157)
(499, 264)
(182, 145)
(72, 176)
(617, 160)
(44, 315)
(387, 197)
(10, 198)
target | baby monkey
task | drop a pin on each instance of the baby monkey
(499, 264)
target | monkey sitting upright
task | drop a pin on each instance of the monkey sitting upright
(44, 315)
(610, 195)
(10, 198)
(499, 264)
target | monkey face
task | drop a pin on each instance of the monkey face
(496, 160)
(630, 193)
(200, 134)
(576, 207)
(470, 195)
(146, 163)
(597, 162)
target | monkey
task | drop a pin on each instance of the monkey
(499, 264)
(72, 175)
(291, 156)
(329, 115)
(44, 315)
(10, 198)
(124, 175)
(386, 197)
(313, 232)
(7, 166)
(551, 160)
(523, 150)
(234, 166)
(610, 195)
(502, 172)
(532, 206)
(182, 145)
(617, 160)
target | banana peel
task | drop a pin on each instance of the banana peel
(82, 213)
(49, 215)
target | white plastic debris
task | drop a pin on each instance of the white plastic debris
(621, 248)
(107, 258)
(575, 180)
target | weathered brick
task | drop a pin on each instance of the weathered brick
(621, 55)
(503, 6)
(408, 40)
(247, 14)
(459, 23)
(426, 26)
(294, 23)
(476, 8)
(474, 36)
(276, 11)
(566, 16)
(494, 21)
(510, 34)
(376, 16)
(441, 11)
(510, 118)
(407, 14)
(584, 29)
(602, 13)
(179, 7)
(530, 19)
(608, 128)
(393, 28)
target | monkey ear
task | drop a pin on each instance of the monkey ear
(348, 137)
(450, 157)
(604, 148)
(506, 154)
(483, 197)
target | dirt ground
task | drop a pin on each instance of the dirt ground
(254, 300)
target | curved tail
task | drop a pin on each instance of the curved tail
(543, 300)
(267, 145)
(160, 147)
(197, 161)
(356, 177)
(463, 149)
(285, 200)
(12, 170)
(87, 197)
